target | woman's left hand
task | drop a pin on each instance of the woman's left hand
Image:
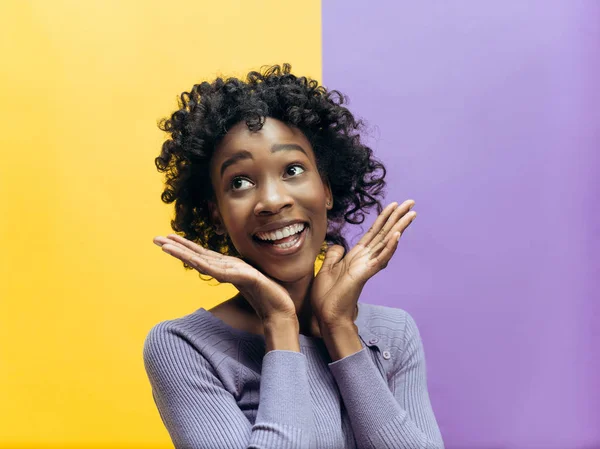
(337, 286)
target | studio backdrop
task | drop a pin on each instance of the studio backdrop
(485, 113)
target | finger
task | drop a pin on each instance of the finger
(223, 269)
(333, 255)
(193, 248)
(379, 222)
(404, 223)
(210, 255)
(189, 244)
(381, 260)
(192, 259)
(383, 231)
(397, 215)
(227, 269)
(397, 230)
(159, 240)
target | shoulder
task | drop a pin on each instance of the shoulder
(192, 349)
(391, 329)
(190, 331)
(176, 325)
(391, 322)
(164, 335)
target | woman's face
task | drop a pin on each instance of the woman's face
(271, 199)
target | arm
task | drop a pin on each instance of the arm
(200, 413)
(382, 419)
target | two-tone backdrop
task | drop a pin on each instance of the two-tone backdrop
(485, 113)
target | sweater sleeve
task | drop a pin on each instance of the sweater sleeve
(199, 413)
(393, 415)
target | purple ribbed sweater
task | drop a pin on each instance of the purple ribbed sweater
(215, 387)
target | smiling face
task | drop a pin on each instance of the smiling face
(270, 198)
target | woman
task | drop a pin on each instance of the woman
(264, 174)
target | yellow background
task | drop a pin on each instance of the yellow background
(82, 85)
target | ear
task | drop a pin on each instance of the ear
(328, 195)
(215, 216)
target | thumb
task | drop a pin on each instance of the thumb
(333, 255)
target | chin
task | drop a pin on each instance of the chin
(291, 277)
(284, 271)
(287, 264)
(289, 273)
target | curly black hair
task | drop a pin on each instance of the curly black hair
(206, 114)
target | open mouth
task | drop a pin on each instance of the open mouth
(283, 240)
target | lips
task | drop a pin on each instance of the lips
(282, 233)
(284, 240)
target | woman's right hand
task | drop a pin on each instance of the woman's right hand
(269, 299)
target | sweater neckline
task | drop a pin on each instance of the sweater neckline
(305, 340)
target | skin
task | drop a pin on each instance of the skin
(264, 177)
(272, 186)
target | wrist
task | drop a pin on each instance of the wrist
(333, 323)
(341, 340)
(282, 333)
(337, 326)
(281, 320)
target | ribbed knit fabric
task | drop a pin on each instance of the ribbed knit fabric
(215, 387)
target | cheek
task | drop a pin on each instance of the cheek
(238, 236)
(314, 201)
(313, 192)
(235, 219)
(316, 204)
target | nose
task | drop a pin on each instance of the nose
(272, 198)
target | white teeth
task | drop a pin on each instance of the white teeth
(285, 245)
(281, 233)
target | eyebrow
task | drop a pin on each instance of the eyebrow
(240, 155)
(287, 146)
(244, 154)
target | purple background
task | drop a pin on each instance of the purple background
(486, 114)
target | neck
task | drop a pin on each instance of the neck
(299, 291)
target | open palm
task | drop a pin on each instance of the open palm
(337, 286)
(266, 296)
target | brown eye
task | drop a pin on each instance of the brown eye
(294, 170)
(240, 184)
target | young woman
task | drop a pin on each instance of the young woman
(264, 174)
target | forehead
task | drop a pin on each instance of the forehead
(273, 132)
